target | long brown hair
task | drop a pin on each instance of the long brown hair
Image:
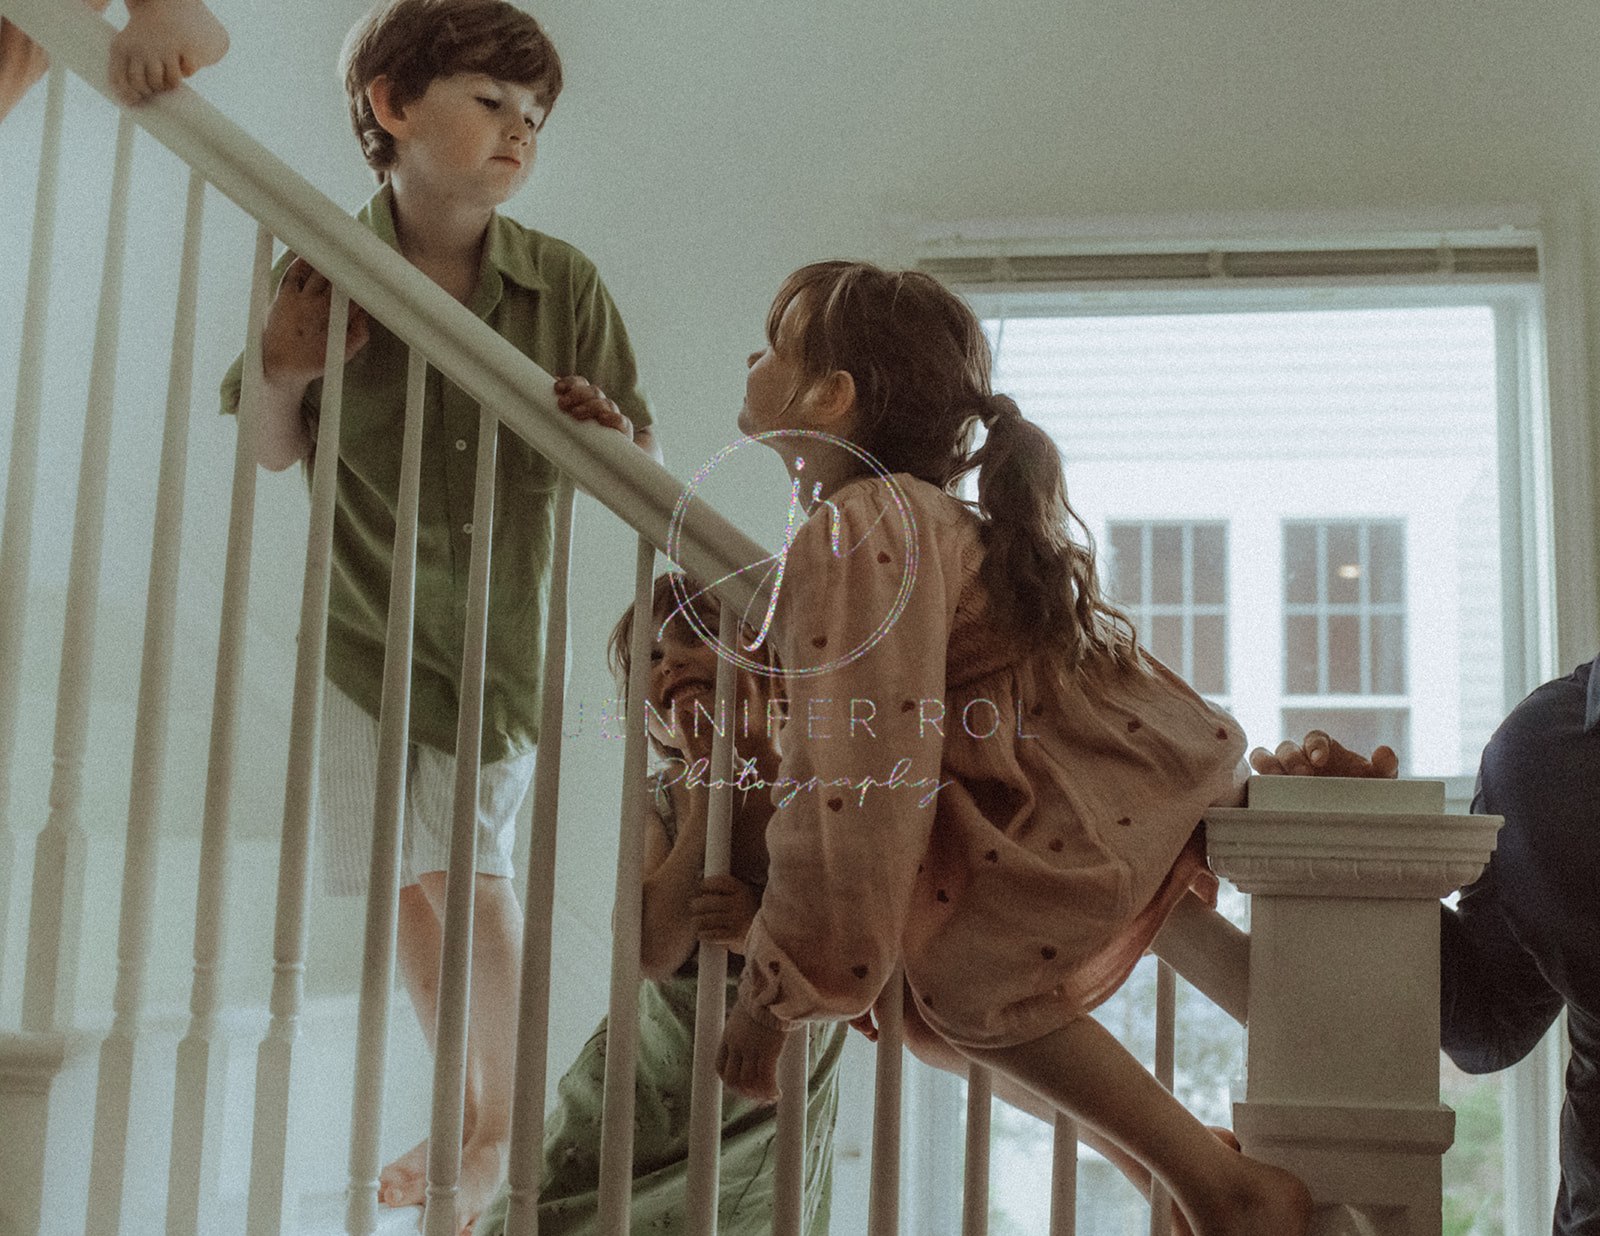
(921, 367)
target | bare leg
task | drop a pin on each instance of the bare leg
(1081, 1069)
(492, 1042)
(404, 1181)
(933, 1050)
(491, 1036)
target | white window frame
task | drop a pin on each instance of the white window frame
(1186, 609)
(1550, 579)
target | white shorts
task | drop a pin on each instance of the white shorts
(348, 788)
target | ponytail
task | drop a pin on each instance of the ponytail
(921, 366)
(1041, 580)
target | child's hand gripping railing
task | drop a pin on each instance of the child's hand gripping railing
(476, 359)
(514, 393)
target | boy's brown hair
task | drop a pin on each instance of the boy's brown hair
(413, 42)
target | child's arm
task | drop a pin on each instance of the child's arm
(672, 877)
(22, 62)
(293, 352)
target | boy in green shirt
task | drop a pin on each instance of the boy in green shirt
(448, 98)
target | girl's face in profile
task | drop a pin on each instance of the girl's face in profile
(773, 382)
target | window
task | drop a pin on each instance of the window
(1317, 481)
(1344, 618)
(1171, 579)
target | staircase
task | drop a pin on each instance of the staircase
(125, 1111)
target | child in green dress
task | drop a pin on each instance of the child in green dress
(681, 909)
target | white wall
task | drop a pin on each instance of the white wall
(701, 151)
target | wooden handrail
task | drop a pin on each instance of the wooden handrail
(465, 349)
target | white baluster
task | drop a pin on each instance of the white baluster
(388, 819)
(269, 1210)
(455, 964)
(883, 1199)
(622, 1023)
(16, 537)
(975, 1191)
(1166, 1039)
(55, 919)
(789, 1170)
(1064, 1177)
(710, 1013)
(533, 1014)
(114, 1095)
(202, 1055)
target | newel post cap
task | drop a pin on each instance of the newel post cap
(1345, 837)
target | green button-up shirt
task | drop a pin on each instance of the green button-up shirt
(547, 299)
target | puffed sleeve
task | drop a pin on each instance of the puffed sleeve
(863, 620)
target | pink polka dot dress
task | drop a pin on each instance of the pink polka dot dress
(1013, 834)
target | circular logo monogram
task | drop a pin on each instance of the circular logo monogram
(883, 545)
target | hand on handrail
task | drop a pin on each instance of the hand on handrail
(1318, 755)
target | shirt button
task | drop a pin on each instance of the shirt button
(461, 444)
(467, 528)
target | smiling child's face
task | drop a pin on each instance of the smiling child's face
(683, 687)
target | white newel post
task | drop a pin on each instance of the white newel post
(1342, 1066)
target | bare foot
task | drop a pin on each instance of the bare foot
(1261, 1200)
(483, 1170)
(1180, 1225)
(164, 42)
(405, 1181)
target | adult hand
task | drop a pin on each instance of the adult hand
(294, 342)
(582, 400)
(748, 1058)
(1318, 755)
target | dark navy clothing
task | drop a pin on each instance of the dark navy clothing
(1524, 940)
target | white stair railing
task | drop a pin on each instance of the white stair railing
(516, 395)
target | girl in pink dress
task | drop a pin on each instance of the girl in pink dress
(984, 779)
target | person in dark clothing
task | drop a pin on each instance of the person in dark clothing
(1523, 941)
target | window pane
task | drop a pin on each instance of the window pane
(1300, 563)
(1210, 564)
(1210, 655)
(1166, 641)
(1166, 564)
(1387, 562)
(1344, 564)
(1344, 654)
(1300, 655)
(1388, 654)
(1124, 566)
